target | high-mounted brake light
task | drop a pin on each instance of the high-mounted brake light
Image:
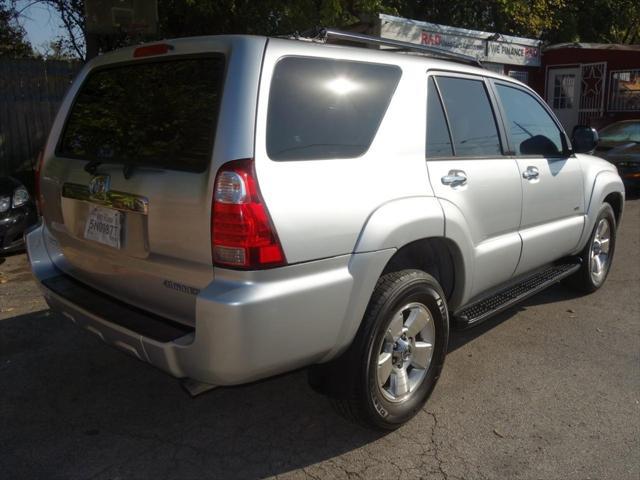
(150, 50)
(242, 234)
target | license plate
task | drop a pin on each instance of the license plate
(104, 226)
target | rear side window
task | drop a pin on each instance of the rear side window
(438, 140)
(533, 131)
(159, 114)
(322, 108)
(471, 119)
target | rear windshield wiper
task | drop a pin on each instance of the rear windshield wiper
(127, 170)
(92, 166)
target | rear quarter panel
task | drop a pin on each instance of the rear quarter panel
(319, 207)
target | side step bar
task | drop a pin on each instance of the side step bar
(481, 310)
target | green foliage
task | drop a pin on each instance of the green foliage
(553, 21)
(13, 42)
(603, 21)
(265, 17)
(57, 49)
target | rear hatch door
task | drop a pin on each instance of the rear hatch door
(127, 181)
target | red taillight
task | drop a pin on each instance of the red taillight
(38, 190)
(150, 50)
(242, 234)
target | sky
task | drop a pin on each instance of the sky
(40, 22)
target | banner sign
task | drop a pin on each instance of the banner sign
(513, 54)
(454, 43)
(481, 45)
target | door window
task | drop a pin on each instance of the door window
(473, 126)
(438, 139)
(532, 130)
(621, 132)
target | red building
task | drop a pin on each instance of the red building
(590, 83)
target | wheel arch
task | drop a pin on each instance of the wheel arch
(607, 188)
(616, 200)
(403, 234)
(440, 257)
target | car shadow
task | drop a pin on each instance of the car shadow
(556, 293)
(88, 410)
(83, 409)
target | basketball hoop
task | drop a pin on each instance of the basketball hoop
(114, 17)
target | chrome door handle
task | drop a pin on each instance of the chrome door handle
(454, 178)
(530, 173)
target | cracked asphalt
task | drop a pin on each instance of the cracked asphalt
(547, 390)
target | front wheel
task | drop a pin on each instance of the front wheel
(398, 353)
(597, 254)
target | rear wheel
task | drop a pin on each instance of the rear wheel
(397, 355)
(598, 253)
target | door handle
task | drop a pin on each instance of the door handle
(454, 178)
(531, 173)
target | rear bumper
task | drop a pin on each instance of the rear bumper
(249, 325)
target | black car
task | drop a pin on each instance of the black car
(17, 213)
(620, 144)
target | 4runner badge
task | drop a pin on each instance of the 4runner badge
(179, 287)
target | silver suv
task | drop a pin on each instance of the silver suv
(228, 208)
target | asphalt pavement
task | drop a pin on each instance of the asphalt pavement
(546, 390)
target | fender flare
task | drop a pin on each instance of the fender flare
(399, 222)
(391, 226)
(605, 183)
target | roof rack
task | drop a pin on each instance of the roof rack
(326, 34)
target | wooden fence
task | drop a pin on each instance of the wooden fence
(31, 91)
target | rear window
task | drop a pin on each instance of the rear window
(159, 114)
(322, 108)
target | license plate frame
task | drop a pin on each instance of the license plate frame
(104, 226)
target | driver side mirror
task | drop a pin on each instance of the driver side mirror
(584, 139)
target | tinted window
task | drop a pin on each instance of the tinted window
(473, 126)
(161, 114)
(321, 108)
(621, 132)
(438, 141)
(533, 131)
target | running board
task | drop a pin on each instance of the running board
(500, 301)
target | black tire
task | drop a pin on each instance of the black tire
(359, 398)
(583, 281)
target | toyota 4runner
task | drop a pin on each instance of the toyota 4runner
(228, 208)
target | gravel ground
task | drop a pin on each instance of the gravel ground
(548, 390)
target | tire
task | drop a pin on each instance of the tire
(411, 302)
(590, 278)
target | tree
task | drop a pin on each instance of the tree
(603, 21)
(267, 17)
(57, 49)
(13, 42)
(553, 21)
(71, 14)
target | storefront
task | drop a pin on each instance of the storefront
(517, 57)
(590, 83)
